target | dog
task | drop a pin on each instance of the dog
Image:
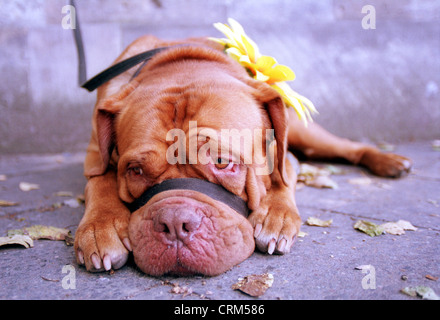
(186, 231)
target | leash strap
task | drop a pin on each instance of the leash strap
(215, 191)
(82, 67)
(110, 72)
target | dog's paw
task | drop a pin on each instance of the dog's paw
(102, 244)
(275, 227)
(386, 164)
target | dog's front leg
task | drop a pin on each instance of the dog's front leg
(277, 221)
(101, 240)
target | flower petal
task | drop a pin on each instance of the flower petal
(251, 51)
(235, 26)
(280, 73)
(265, 62)
(260, 76)
(235, 53)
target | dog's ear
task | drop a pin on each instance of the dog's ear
(102, 141)
(278, 116)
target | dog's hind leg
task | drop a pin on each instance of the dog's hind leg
(317, 143)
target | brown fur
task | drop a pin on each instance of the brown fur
(130, 122)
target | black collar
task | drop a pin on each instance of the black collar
(121, 67)
(215, 191)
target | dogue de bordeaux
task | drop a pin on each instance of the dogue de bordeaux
(196, 225)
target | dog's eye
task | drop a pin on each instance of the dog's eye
(223, 164)
(137, 171)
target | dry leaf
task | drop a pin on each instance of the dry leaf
(23, 240)
(5, 203)
(312, 221)
(397, 228)
(392, 228)
(307, 170)
(322, 182)
(254, 285)
(44, 232)
(302, 234)
(71, 203)
(421, 291)
(406, 225)
(317, 177)
(26, 186)
(368, 227)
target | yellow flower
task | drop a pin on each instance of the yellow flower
(263, 68)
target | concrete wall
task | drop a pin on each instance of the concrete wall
(377, 85)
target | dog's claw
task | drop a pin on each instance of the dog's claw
(282, 245)
(107, 263)
(257, 231)
(96, 261)
(271, 247)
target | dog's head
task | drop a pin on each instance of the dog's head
(172, 121)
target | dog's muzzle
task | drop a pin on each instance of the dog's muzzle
(215, 191)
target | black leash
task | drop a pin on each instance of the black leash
(82, 68)
(110, 72)
(215, 191)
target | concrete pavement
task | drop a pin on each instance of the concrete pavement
(321, 265)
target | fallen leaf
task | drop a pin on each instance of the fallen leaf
(302, 234)
(397, 228)
(392, 228)
(307, 171)
(421, 291)
(26, 186)
(334, 170)
(406, 225)
(71, 203)
(3, 177)
(254, 285)
(312, 221)
(322, 182)
(368, 227)
(317, 177)
(360, 181)
(5, 203)
(23, 240)
(44, 232)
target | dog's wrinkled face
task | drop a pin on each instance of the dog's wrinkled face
(187, 232)
(161, 125)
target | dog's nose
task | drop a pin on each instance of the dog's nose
(177, 223)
